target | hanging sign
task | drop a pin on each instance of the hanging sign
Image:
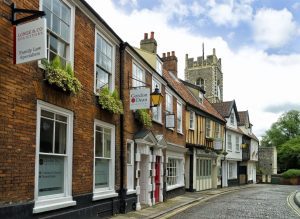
(170, 121)
(140, 98)
(30, 41)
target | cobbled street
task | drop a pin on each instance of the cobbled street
(263, 201)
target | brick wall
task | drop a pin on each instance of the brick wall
(20, 88)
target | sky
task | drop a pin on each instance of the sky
(257, 40)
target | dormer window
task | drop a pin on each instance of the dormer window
(232, 119)
(158, 67)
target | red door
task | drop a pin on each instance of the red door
(157, 179)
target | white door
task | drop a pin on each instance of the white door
(144, 179)
(203, 174)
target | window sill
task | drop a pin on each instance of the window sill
(179, 132)
(131, 191)
(169, 188)
(157, 122)
(171, 129)
(104, 195)
(53, 204)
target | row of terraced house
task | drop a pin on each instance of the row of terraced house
(67, 156)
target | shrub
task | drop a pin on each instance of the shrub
(110, 101)
(144, 117)
(60, 76)
(291, 173)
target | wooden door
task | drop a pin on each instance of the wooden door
(157, 179)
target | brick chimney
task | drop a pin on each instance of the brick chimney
(150, 44)
(170, 62)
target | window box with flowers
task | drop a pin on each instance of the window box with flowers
(62, 77)
(110, 101)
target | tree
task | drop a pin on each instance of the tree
(287, 127)
(289, 155)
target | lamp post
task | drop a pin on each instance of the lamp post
(156, 97)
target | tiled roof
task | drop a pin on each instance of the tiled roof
(185, 94)
(243, 117)
(224, 108)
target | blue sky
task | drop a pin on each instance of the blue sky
(258, 41)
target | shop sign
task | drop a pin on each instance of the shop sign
(170, 121)
(30, 41)
(140, 98)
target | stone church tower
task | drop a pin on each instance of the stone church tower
(206, 73)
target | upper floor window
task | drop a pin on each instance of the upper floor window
(201, 97)
(158, 67)
(200, 82)
(232, 119)
(179, 117)
(217, 131)
(104, 63)
(169, 103)
(156, 111)
(192, 120)
(59, 25)
(207, 128)
(237, 143)
(138, 76)
(229, 142)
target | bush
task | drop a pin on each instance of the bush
(60, 76)
(291, 173)
(110, 101)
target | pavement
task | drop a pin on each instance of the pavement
(180, 203)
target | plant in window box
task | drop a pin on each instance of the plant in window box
(144, 117)
(62, 77)
(210, 138)
(110, 101)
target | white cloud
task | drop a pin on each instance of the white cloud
(273, 28)
(251, 77)
(130, 2)
(296, 6)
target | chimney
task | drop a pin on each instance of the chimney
(170, 62)
(150, 44)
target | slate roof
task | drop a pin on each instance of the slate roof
(185, 94)
(224, 108)
(243, 117)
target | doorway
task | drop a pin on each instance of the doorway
(144, 179)
(157, 179)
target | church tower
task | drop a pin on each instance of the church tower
(206, 73)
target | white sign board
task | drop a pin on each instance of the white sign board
(218, 144)
(30, 41)
(140, 98)
(170, 121)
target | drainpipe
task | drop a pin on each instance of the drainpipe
(123, 190)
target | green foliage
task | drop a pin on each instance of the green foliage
(144, 117)
(110, 101)
(287, 127)
(289, 154)
(62, 77)
(291, 173)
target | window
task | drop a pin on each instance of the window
(138, 76)
(172, 172)
(237, 144)
(232, 119)
(192, 120)
(54, 158)
(158, 67)
(229, 142)
(156, 111)
(200, 97)
(217, 131)
(200, 82)
(130, 165)
(59, 26)
(208, 128)
(230, 171)
(169, 103)
(179, 117)
(104, 63)
(104, 176)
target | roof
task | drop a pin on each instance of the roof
(185, 94)
(225, 108)
(244, 117)
(238, 130)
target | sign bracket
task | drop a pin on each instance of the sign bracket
(34, 14)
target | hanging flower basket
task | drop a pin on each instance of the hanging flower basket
(110, 101)
(62, 77)
(144, 117)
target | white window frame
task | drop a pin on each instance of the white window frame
(169, 109)
(179, 119)
(179, 172)
(208, 131)
(231, 170)
(232, 119)
(130, 188)
(159, 66)
(140, 83)
(217, 130)
(108, 192)
(237, 143)
(229, 142)
(52, 202)
(72, 31)
(192, 120)
(113, 61)
(159, 107)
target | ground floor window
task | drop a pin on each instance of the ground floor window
(232, 170)
(203, 168)
(174, 172)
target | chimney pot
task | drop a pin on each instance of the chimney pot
(168, 54)
(173, 53)
(152, 35)
(145, 36)
(164, 55)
